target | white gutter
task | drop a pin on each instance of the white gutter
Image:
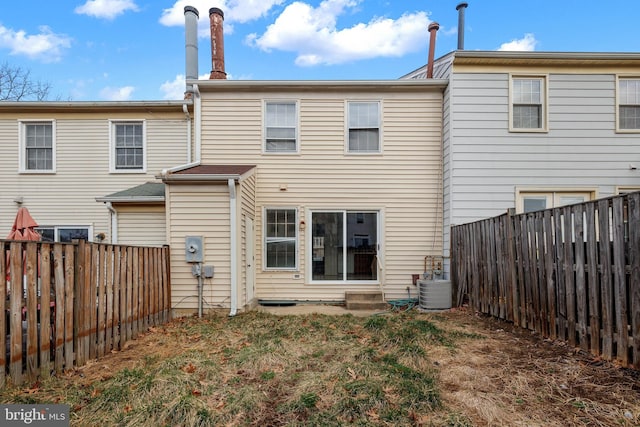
(197, 110)
(114, 223)
(234, 245)
(187, 116)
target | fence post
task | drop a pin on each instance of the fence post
(605, 280)
(634, 277)
(15, 354)
(619, 282)
(3, 310)
(551, 278)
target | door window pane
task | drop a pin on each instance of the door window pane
(534, 203)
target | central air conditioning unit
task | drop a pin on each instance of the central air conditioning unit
(434, 294)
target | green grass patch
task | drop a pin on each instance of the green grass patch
(261, 369)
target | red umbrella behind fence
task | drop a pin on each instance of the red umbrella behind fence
(23, 229)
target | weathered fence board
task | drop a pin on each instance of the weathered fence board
(570, 273)
(66, 304)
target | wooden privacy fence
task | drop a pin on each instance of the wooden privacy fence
(570, 273)
(65, 304)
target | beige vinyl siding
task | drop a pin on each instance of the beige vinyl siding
(403, 182)
(199, 210)
(82, 167)
(141, 225)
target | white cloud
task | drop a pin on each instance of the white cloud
(313, 34)
(106, 9)
(235, 11)
(46, 46)
(525, 44)
(117, 94)
(175, 89)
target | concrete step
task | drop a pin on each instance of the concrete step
(364, 300)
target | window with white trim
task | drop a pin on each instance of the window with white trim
(280, 239)
(344, 246)
(65, 234)
(530, 201)
(629, 104)
(281, 127)
(363, 121)
(128, 146)
(528, 104)
(38, 146)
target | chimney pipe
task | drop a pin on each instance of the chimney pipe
(191, 47)
(433, 28)
(460, 8)
(216, 19)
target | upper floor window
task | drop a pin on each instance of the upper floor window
(281, 123)
(281, 239)
(528, 104)
(38, 144)
(629, 104)
(128, 146)
(363, 120)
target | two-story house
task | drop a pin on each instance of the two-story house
(306, 190)
(56, 158)
(534, 130)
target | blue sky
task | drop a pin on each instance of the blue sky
(93, 50)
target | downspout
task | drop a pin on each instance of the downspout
(187, 116)
(114, 222)
(197, 107)
(234, 245)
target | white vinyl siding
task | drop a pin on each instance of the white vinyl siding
(37, 146)
(629, 104)
(487, 162)
(128, 146)
(363, 127)
(281, 126)
(528, 104)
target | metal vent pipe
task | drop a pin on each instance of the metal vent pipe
(433, 29)
(460, 8)
(216, 19)
(191, 46)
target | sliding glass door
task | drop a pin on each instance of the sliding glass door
(344, 245)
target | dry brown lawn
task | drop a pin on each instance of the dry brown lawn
(451, 368)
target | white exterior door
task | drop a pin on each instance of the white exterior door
(250, 269)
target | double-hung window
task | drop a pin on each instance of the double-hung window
(629, 104)
(38, 144)
(281, 239)
(363, 121)
(281, 124)
(128, 146)
(528, 104)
